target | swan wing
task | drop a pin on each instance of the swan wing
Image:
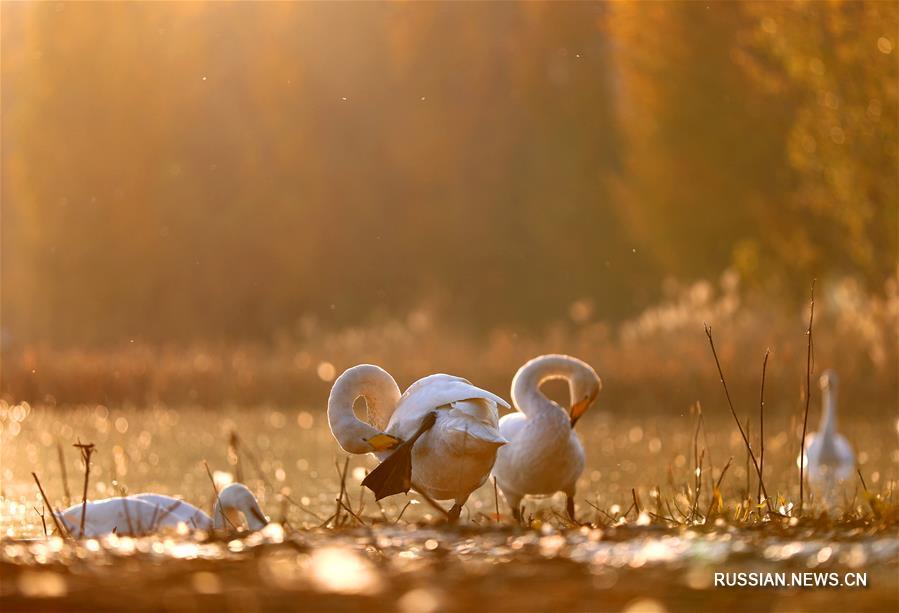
(177, 509)
(475, 417)
(844, 449)
(844, 457)
(436, 391)
(120, 515)
(510, 425)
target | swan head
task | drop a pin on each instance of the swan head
(584, 386)
(237, 497)
(829, 381)
(359, 437)
(381, 396)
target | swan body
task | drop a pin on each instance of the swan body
(829, 458)
(146, 513)
(544, 455)
(451, 455)
(178, 509)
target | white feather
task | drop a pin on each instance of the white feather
(455, 456)
(544, 455)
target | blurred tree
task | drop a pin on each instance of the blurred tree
(839, 63)
(764, 134)
(705, 146)
(218, 171)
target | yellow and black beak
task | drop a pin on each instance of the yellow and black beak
(579, 408)
(383, 442)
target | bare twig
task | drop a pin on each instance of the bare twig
(48, 506)
(62, 470)
(748, 427)
(342, 475)
(87, 450)
(361, 498)
(234, 449)
(730, 404)
(718, 487)
(698, 486)
(215, 490)
(705, 440)
(868, 497)
(696, 439)
(808, 393)
(762, 426)
(670, 511)
(430, 500)
(595, 507)
(41, 514)
(566, 521)
(284, 507)
(326, 521)
(127, 512)
(155, 518)
(636, 501)
(381, 509)
(403, 510)
(347, 508)
(663, 517)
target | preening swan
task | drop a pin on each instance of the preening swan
(440, 436)
(544, 454)
(829, 458)
(146, 513)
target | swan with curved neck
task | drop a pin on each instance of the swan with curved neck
(381, 394)
(544, 455)
(147, 513)
(829, 457)
(440, 436)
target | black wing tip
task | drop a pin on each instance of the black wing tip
(392, 476)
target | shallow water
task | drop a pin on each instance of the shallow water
(425, 568)
(625, 561)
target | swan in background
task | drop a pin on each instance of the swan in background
(544, 454)
(440, 436)
(146, 513)
(829, 459)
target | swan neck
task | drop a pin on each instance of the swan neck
(526, 394)
(251, 511)
(381, 395)
(829, 412)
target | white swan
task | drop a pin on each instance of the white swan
(440, 436)
(146, 513)
(544, 455)
(829, 459)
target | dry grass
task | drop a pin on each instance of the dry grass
(704, 520)
(658, 358)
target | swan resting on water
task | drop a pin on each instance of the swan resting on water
(146, 513)
(829, 459)
(544, 455)
(439, 437)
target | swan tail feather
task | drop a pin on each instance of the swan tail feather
(393, 475)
